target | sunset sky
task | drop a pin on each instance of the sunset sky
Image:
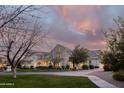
(75, 24)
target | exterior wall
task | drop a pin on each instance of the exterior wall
(25, 64)
(42, 63)
(37, 63)
(80, 66)
(95, 62)
(45, 63)
(3, 63)
(62, 53)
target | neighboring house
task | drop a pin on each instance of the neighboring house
(94, 58)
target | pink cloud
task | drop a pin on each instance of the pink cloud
(73, 14)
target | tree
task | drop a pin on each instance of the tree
(55, 61)
(107, 58)
(19, 34)
(7, 17)
(56, 56)
(115, 42)
(78, 55)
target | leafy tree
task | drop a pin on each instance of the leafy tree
(108, 58)
(78, 55)
(115, 43)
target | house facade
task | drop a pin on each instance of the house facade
(3, 63)
(59, 57)
(94, 58)
(35, 60)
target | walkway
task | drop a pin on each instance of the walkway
(98, 81)
(107, 76)
(101, 83)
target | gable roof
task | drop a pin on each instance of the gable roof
(62, 48)
(94, 53)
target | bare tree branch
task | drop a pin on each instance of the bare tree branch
(13, 16)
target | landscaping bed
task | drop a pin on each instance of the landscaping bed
(119, 76)
(42, 70)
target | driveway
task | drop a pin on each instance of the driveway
(107, 76)
(69, 73)
(85, 73)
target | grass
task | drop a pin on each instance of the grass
(41, 70)
(45, 81)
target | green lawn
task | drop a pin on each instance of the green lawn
(41, 70)
(45, 81)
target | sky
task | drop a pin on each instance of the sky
(70, 25)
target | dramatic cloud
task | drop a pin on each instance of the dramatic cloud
(72, 25)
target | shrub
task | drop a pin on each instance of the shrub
(118, 66)
(32, 67)
(96, 66)
(19, 66)
(58, 68)
(91, 67)
(63, 67)
(107, 67)
(115, 68)
(50, 67)
(41, 67)
(5, 68)
(67, 67)
(85, 67)
(74, 69)
(119, 76)
(24, 67)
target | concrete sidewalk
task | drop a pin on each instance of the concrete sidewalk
(100, 82)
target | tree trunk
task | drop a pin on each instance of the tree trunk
(77, 67)
(53, 65)
(14, 72)
(74, 66)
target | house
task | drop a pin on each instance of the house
(58, 57)
(3, 63)
(94, 58)
(35, 60)
(42, 59)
